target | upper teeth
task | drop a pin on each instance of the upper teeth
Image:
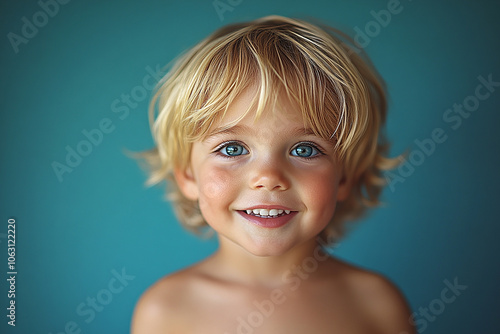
(266, 212)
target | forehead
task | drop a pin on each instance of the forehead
(244, 110)
(276, 121)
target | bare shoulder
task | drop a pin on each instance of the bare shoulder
(157, 311)
(378, 298)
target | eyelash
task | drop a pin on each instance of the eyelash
(311, 144)
(218, 149)
(221, 146)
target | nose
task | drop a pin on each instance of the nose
(269, 175)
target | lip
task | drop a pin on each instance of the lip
(268, 222)
(268, 207)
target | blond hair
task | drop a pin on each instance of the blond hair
(341, 96)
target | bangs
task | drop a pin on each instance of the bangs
(279, 64)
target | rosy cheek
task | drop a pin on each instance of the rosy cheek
(322, 187)
(216, 183)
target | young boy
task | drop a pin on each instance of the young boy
(269, 133)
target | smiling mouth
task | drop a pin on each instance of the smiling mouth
(268, 218)
(265, 213)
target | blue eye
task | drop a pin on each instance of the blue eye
(233, 150)
(305, 151)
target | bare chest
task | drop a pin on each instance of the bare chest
(278, 312)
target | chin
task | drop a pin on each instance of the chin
(267, 249)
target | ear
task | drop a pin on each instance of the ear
(187, 183)
(343, 190)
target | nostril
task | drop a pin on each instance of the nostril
(269, 179)
(276, 187)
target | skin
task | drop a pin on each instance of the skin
(261, 279)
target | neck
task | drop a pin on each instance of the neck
(235, 263)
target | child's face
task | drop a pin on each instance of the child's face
(273, 164)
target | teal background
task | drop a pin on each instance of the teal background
(439, 224)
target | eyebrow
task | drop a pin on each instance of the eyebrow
(243, 129)
(236, 129)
